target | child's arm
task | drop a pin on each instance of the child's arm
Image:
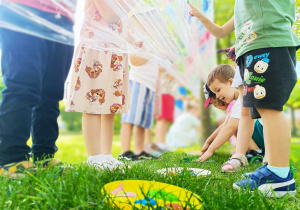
(215, 30)
(212, 137)
(137, 61)
(224, 135)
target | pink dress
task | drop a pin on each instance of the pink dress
(99, 78)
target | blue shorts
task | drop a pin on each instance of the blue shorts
(258, 135)
(141, 106)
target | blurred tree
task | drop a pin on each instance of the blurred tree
(294, 104)
(206, 123)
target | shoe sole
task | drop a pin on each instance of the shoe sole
(270, 193)
(125, 159)
(12, 175)
(229, 171)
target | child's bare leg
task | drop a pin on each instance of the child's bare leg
(161, 131)
(252, 145)
(277, 137)
(245, 129)
(148, 136)
(126, 133)
(139, 137)
(266, 158)
(107, 128)
(91, 124)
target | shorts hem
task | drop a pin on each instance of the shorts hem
(279, 108)
(137, 124)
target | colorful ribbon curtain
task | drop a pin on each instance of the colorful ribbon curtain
(180, 43)
(156, 29)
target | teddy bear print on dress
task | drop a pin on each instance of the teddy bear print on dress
(116, 62)
(118, 85)
(77, 65)
(94, 71)
(97, 16)
(94, 95)
(78, 84)
(115, 108)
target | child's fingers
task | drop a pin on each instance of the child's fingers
(191, 6)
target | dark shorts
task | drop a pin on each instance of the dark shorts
(258, 135)
(269, 76)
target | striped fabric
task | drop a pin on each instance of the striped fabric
(141, 106)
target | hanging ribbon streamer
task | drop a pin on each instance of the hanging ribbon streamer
(159, 29)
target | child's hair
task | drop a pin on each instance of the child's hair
(217, 102)
(191, 103)
(222, 72)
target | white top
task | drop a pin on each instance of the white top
(145, 74)
(236, 109)
(183, 132)
(237, 79)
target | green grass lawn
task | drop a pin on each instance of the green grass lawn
(80, 188)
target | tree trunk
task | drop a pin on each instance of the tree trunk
(206, 126)
(294, 129)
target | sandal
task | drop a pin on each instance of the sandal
(243, 160)
(17, 170)
(53, 163)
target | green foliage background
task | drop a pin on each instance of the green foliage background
(297, 24)
(1, 85)
(224, 10)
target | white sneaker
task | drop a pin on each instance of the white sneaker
(106, 162)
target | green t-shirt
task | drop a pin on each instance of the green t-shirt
(264, 24)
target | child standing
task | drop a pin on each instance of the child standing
(142, 78)
(266, 55)
(34, 71)
(99, 84)
(169, 91)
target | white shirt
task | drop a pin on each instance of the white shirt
(145, 74)
(236, 109)
(183, 132)
(237, 80)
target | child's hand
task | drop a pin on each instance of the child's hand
(205, 156)
(205, 147)
(194, 11)
(231, 53)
